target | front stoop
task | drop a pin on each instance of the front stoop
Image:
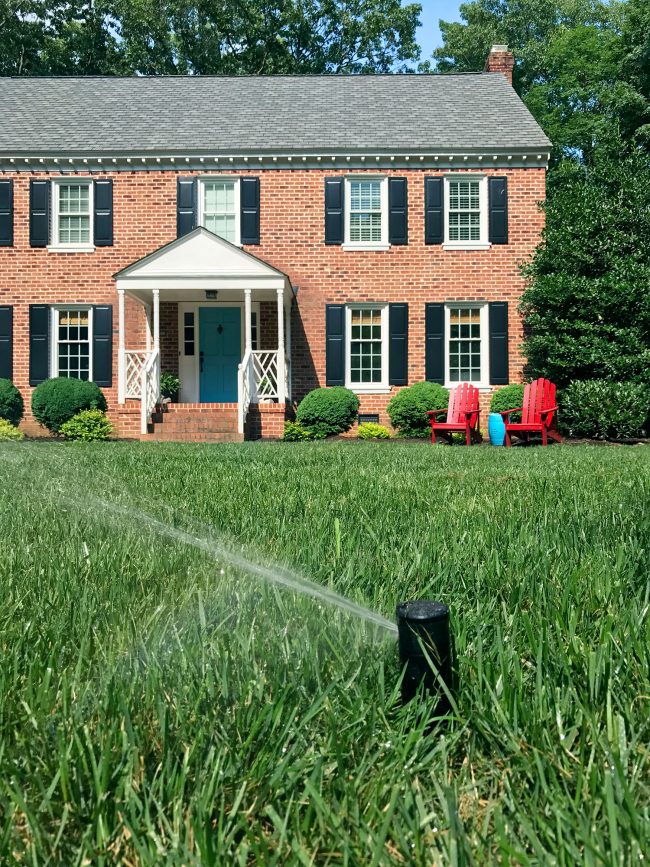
(195, 422)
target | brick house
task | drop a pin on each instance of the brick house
(261, 236)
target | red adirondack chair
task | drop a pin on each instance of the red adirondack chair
(462, 415)
(538, 414)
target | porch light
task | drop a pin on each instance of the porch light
(210, 294)
(425, 649)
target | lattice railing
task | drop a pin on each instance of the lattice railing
(149, 388)
(135, 362)
(265, 370)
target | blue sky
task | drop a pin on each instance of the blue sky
(432, 12)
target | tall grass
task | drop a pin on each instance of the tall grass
(158, 705)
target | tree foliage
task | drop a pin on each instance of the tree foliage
(154, 37)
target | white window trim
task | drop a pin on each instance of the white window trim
(234, 179)
(56, 246)
(367, 245)
(484, 243)
(370, 387)
(484, 383)
(54, 337)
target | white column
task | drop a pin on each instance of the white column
(288, 343)
(121, 349)
(282, 378)
(156, 318)
(248, 321)
(149, 329)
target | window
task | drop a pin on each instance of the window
(72, 224)
(366, 213)
(72, 343)
(254, 345)
(188, 332)
(466, 206)
(367, 356)
(467, 343)
(220, 208)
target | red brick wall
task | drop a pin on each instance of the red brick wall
(292, 236)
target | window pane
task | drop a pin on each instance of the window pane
(219, 214)
(464, 344)
(222, 225)
(365, 345)
(464, 211)
(365, 211)
(73, 349)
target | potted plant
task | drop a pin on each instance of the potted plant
(169, 387)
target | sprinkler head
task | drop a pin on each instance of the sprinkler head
(425, 649)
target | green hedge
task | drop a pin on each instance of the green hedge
(56, 401)
(294, 432)
(508, 397)
(9, 432)
(408, 408)
(371, 431)
(89, 425)
(328, 411)
(599, 409)
(12, 407)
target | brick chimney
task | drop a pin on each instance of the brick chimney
(500, 59)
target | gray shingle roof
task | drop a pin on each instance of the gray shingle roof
(263, 114)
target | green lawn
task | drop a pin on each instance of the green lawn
(158, 705)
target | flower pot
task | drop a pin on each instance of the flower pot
(496, 429)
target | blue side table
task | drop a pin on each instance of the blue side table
(496, 429)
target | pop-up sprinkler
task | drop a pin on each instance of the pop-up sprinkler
(425, 649)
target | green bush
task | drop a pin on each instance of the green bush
(508, 397)
(599, 409)
(371, 431)
(12, 407)
(56, 401)
(408, 408)
(89, 425)
(327, 411)
(294, 432)
(9, 432)
(169, 385)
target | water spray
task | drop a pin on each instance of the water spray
(425, 650)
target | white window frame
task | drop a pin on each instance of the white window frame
(54, 337)
(231, 179)
(367, 387)
(383, 244)
(56, 246)
(483, 243)
(484, 382)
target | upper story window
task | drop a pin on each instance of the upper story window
(466, 205)
(466, 344)
(72, 202)
(367, 347)
(72, 342)
(219, 208)
(366, 213)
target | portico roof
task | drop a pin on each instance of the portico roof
(188, 266)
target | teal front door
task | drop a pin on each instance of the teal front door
(219, 353)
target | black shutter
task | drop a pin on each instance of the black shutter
(434, 221)
(335, 344)
(498, 198)
(103, 345)
(250, 210)
(334, 211)
(6, 212)
(499, 343)
(398, 344)
(398, 222)
(434, 336)
(103, 195)
(186, 209)
(6, 341)
(39, 343)
(39, 213)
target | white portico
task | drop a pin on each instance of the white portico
(219, 290)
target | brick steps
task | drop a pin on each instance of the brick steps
(195, 423)
(194, 437)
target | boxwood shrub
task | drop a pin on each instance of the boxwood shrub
(508, 397)
(328, 411)
(9, 432)
(408, 408)
(599, 409)
(56, 401)
(89, 425)
(12, 407)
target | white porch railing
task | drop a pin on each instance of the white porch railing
(258, 380)
(265, 369)
(149, 388)
(245, 389)
(135, 360)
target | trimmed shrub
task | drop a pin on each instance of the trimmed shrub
(599, 409)
(328, 411)
(12, 407)
(9, 432)
(294, 432)
(508, 397)
(89, 425)
(371, 431)
(56, 401)
(169, 385)
(408, 408)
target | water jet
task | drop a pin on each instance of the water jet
(425, 650)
